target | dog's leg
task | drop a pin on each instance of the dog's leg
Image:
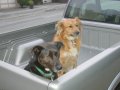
(60, 73)
(78, 43)
(75, 64)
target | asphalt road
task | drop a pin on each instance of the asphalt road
(16, 19)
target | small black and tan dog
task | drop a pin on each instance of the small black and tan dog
(45, 60)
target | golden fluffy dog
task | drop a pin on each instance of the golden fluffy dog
(68, 32)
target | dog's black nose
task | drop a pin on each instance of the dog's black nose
(59, 67)
(77, 33)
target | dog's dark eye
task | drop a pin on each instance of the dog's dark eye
(76, 25)
(71, 35)
(51, 54)
(56, 54)
(70, 26)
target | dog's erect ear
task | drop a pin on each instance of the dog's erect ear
(59, 44)
(78, 20)
(59, 27)
(37, 50)
(35, 53)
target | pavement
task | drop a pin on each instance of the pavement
(20, 18)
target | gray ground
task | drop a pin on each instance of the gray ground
(18, 18)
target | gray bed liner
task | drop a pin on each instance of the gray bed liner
(15, 50)
(16, 46)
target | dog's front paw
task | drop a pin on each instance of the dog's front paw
(60, 73)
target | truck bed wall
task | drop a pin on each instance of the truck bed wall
(94, 37)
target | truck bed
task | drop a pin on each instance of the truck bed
(15, 50)
(16, 46)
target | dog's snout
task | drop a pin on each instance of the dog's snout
(59, 67)
(77, 33)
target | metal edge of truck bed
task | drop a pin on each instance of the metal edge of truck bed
(91, 74)
(23, 80)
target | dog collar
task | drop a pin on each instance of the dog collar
(47, 75)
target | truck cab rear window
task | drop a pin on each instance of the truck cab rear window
(107, 11)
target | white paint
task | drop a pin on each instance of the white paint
(7, 4)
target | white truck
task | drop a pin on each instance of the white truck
(99, 59)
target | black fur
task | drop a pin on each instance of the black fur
(49, 50)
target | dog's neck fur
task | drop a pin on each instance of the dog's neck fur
(70, 46)
(67, 43)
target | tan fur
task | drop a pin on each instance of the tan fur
(66, 29)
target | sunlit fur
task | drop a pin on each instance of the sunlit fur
(69, 33)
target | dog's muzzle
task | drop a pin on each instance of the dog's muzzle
(77, 33)
(57, 68)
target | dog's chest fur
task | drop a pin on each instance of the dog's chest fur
(72, 52)
(69, 58)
